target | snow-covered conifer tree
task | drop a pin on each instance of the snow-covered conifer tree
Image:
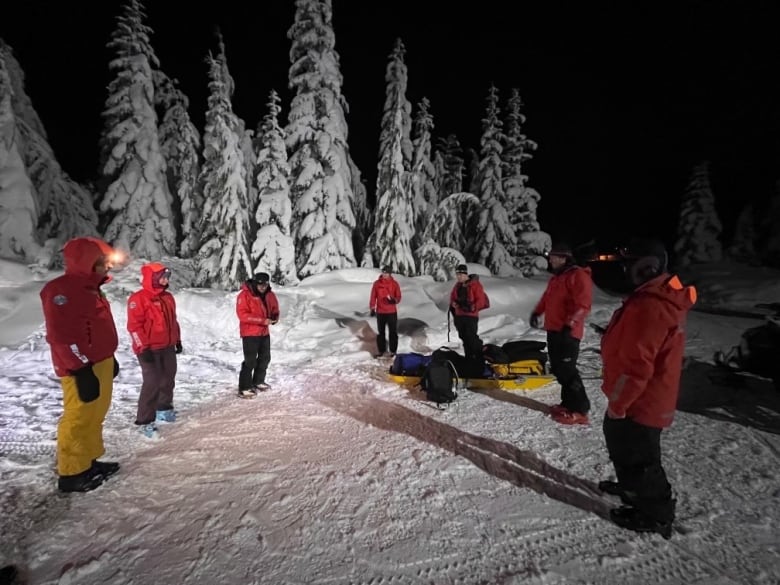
(769, 235)
(364, 214)
(396, 107)
(531, 243)
(18, 211)
(273, 251)
(180, 146)
(422, 189)
(64, 207)
(136, 206)
(316, 136)
(743, 244)
(494, 232)
(223, 256)
(453, 165)
(445, 235)
(698, 228)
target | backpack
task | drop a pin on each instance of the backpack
(439, 381)
(465, 367)
(495, 354)
(409, 364)
(759, 350)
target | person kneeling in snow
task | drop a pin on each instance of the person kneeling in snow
(257, 307)
(156, 338)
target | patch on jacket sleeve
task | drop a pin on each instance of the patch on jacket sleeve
(60, 300)
(132, 305)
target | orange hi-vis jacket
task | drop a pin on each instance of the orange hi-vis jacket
(642, 351)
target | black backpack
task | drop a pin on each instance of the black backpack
(439, 381)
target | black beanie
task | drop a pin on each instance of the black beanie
(561, 249)
(262, 278)
(649, 248)
(461, 269)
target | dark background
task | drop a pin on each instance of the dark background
(623, 99)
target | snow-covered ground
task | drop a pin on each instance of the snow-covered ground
(337, 475)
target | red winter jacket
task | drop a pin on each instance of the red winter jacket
(475, 298)
(385, 288)
(151, 314)
(566, 300)
(642, 351)
(256, 311)
(79, 325)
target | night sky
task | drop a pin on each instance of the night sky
(622, 99)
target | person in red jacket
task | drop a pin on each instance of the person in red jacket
(156, 339)
(467, 299)
(642, 353)
(82, 335)
(257, 307)
(565, 304)
(385, 296)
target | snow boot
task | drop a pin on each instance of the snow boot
(150, 431)
(81, 482)
(632, 519)
(613, 488)
(261, 387)
(168, 416)
(105, 468)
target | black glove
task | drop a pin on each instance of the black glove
(178, 347)
(535, 320)
(87, 384)
(391, 300)
(373, 313)
(116, 367)
(566, 331)
(146, 356)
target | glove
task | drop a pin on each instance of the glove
(613, 415)
(87, 384)
(116, 367)
(391, 300)
(535, 320)
(179, 348)
(146, 356)
(566, 331)
(373, 313)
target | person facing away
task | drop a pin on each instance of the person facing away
(156, 339)
(642, 353)
(467, 299)
(257, 307)
(565, 304)
(384, 299)
(82, 337)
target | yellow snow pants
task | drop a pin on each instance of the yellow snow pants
(80, 430)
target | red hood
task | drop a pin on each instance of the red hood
(80, 255)
(669, 288)
(147, 272)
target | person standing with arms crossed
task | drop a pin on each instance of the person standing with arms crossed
(82, 335)
(256, 307)
(156, 340)
(565, 304)
(384, 299)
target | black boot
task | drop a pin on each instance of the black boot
(81, 482)
(632, 519)
(613, 488)
(105, 468)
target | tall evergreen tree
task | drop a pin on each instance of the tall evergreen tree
(422, 188)
(699, 228)
(223, 256)
(180, 146)
(18, 210)
(64, 208)
(320, 180)
(394, 219)
(531, 243)
(494, 232)
(453, 166)
(273, 250)
(743, 244)
(769, 230)
(364, 213)
(136, 206)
